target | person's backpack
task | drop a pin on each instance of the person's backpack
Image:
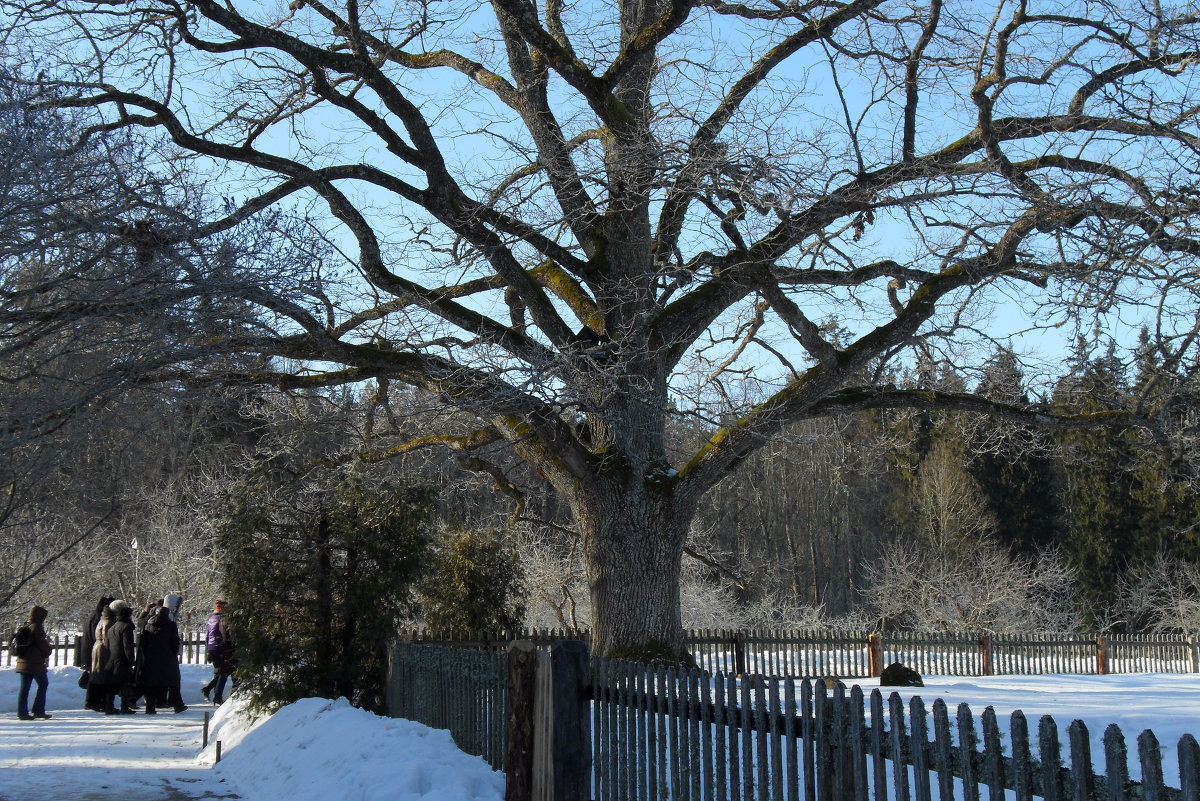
(22, 642)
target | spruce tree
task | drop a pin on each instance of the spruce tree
(317, 582)
(1014, 466)
(1164, 484)
(1100, 515)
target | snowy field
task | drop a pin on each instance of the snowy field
(1166, 703)
(318, 750)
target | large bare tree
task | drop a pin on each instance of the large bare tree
(575, 220)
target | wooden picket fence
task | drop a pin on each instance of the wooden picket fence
(63, 647)
(459, 689)
(666, 734)
(812, 653)
(624, 731)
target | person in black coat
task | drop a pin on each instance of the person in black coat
(120, 657)
(158, 661)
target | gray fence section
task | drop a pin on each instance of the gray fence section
(1145, 653)
(63, 647)
(848, 654)
(459, 689)
(671, 735)
(633, 732)
(782, 652)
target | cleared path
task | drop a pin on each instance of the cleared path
(84, 756)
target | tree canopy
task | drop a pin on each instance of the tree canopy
(578, 221)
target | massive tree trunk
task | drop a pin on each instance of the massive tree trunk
(633, 548)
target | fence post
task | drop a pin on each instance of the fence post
(571, 756)
(739, 654)
(985, 653)
(518, 757)
(875, 654)
(1101, 655)
(1193, 655)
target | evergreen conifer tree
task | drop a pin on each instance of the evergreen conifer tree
(1014, 466)
(317, 583)
(1099, 513)
(473, 584)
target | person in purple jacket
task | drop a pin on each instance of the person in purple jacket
(219, 648)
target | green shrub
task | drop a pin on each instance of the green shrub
(316, 584)
(474, 583)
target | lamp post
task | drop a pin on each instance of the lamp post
(136, 547)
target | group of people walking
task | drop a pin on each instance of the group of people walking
(124, 660)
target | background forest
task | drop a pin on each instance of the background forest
(914, 520)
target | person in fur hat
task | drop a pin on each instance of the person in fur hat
(121, 655)
(34, 667)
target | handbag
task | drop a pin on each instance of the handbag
(83, 679)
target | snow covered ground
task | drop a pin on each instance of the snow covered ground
(312, 750)
(318, 750)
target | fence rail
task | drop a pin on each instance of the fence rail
(632, 732)
(63, 648)
(801, 653)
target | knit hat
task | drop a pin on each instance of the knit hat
(172, 602)
(118, 605)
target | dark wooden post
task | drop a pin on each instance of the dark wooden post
(1101, 655)
(518, 757)
(875, 654)
(826, 752)
(1193, 655)
(985, 653)
(739, 654)
(843, 750)
(572, 754)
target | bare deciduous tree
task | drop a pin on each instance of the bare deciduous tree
(574, 221)
(1163, 596)
(980, 588)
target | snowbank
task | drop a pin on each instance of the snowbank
(313, 750)
(322, 749)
